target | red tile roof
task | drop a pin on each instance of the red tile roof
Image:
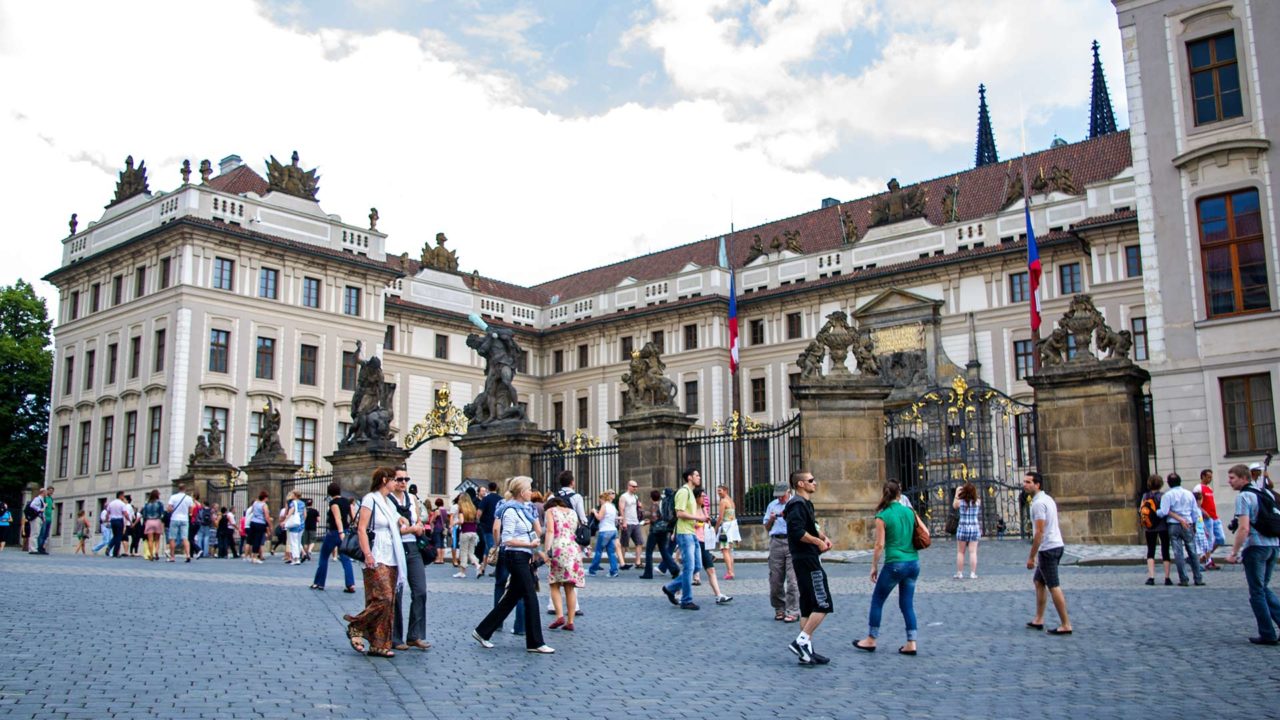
(239, 181)
(1120, 216)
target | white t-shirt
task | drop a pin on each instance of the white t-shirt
(116, 509)
(1044, 508)
(385, 528)
(181, 504)
(610, 521)
(628, 502)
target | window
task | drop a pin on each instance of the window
(1072, 351)
(557, 412)
(557, 361)
(1235, 272)
(1139, 338)
(442, 346)
(304, 441)
(108, 440)
(757, 395)
(219, 346)
(1069, 279)
(583, 420)
(268, 283)
(68, 379)
(310, 292)
(626, 346)
(307, 365)
(95, 291)
(135, 356)
(1019, 288)
(349, 370)
(113, 361)
(793, 380)
(1132, 261)
(583, 356)
(1249, 414)
(264, 364)
(212, 413)
(351, 300)
(1215, 78)
(794, 322)
(343, 429)
(165, 265)
(82, 463)
(389, 338)
(1023, 359)
(154, 417)
(522, 362)
(223, 272)
(439, 472)
(117, 290)
(64, 449)
(74, 302)
(158, 363)
(89, 356)
(756, 330)
(130, 437)
(140, 282)
(690, 337)
(690, 397)
(659, 338)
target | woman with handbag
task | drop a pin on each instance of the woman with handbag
(968, 530)
(728, 534)
(338, 522)
(466, 521)
(378, 533)
(294, 523)
(517, 544)
(896, 528)
(259, 525)
(406, 506)
(439, 520)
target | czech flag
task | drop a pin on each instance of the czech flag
(733, 310)
(1033, 268)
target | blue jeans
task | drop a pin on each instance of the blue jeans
(203, 537)
(901, 575)
(117, 537)
(500, 575)
(332, 539)
(1184, 544)
(692, 555)
(604, 543)
(1258, 561)
(106, 538)
(43, 538)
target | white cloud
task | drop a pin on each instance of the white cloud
(508, 31)
(555, 83)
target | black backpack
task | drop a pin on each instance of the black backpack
(206, 516)
(582, 533)
(666, 522)
(30, 513)
(1268, 522)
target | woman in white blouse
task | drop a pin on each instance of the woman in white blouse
(383, 557)
(519, 540)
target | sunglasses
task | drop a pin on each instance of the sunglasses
(403, 479)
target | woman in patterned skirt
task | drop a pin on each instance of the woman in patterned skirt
(383, 557)
(969, 529)
(564, 559)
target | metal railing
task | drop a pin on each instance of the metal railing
(747, 457)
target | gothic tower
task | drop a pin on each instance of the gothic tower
(1102, 120)
(986, 150)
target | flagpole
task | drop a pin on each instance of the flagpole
(1026, 199)
(737, 484)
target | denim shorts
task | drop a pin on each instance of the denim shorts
(178, 530)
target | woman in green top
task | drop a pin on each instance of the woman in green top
(895, 526)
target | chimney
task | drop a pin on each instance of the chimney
(829, 202)
(229, 163)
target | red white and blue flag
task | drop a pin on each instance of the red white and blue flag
(1033, 268)
(733, 310)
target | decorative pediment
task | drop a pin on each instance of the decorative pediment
(626, 281)
(690, 267)
(894, 299)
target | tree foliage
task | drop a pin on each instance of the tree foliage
(26, 373)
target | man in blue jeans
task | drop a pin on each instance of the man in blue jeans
(488, 506)
(1180, 506)
(46, 522)
(1258, 552)
(687, 513)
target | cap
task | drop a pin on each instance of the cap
(780, 488)
(1255, 466)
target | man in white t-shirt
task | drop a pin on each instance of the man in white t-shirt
(1046, 553)
(629, 523)
(179, 507)
(116, 512)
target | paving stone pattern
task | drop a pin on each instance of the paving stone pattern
(124, 638)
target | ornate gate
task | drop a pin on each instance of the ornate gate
(746, 456)
(962, 432)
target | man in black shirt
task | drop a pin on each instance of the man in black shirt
(488, 514)
(806, 542)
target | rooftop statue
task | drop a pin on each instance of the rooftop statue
(373, 218)
(1058, 179)
(133, 181)
(186, 171)
(757, 249)
(898, 205)
(439, 257)
(792, 238)
(1013, 189)
(647, 383)
(73, 223)
(848, 226)
(292, 179)
(206, 171)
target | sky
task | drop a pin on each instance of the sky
(544, 138)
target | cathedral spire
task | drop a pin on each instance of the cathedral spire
(986, 150)
(1102, 120)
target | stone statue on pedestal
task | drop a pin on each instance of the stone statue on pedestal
(269, 447)
(647, 384)
(1079, 326)
(208, 446)
(498, 402)
(838, 338)
(371, 406)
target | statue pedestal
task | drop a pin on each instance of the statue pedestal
(1089, 447)
(268, 472)
(201, 472)
(353, 466)
(842, 436)
(647, 447)
(500, 451)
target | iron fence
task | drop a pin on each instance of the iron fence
(746, 457)
(595, 469)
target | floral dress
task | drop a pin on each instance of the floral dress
(565, 557)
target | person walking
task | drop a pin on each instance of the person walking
(414, 633)
(727, 535)
(104, 527)
(564, 559)
(630, 518)
(895, 528)
(1046, 553)
(687, 514)
(705, 533)
(179, 509)
(518, 544)
(659, 534)
(46, 521)
(116, 516)
(1154, 528)
(606, 515)
(969, 505)
(82, 531)
(784, 595)
(1257, 551)
(132, 526)
(439, 520)
(1181, 506)
(338, 521)
(6, 522)
(152, 525)
(259, 515)
(383, 559)
(295, 520)
(1213, 525)
(807, 543)
(467, 523)
(487, 509)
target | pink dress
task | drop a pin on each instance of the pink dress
(565, 557)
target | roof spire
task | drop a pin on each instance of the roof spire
(986, 150)
(1102, 120)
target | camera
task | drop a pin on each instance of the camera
(1234, 525)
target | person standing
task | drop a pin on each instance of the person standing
(259, 517)
(1213, 525)
(46, 522)
(1258, 552)
(807, 543)
(564, 560)
(658, 536)
(895, 532)
(466, 521)
(630, 518)
(1046, 553)
(6, 521)
(82, 531)
(1180, 505)
(489, 500)
(179, 509)
(967, 503)
(518, 544)
(1154, 528)
(439, 520)
(152, 525)
(783, 592)
(294, 522)
(687, 514)
(309, 525)
(383, 559)
(727, 535)
(406, 506)
(338, 519)
(207, 520)
(116, 516)
(607, 517)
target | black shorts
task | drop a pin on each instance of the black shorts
(811, 581)
(708, 560)
(1047, 567)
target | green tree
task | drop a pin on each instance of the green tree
(26, 372)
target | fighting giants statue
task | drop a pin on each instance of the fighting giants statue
(269, 447)
(371, 407)
(647, 383)
(498, 402)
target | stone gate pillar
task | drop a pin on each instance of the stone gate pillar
(353, 467)
(647, 447)
(269, 473)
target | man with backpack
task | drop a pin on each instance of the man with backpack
(1180, 505)
(204, 518)
(1256, 545)
(687, 513)
(33, 511)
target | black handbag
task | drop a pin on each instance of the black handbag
(427, 546)
(350, 546)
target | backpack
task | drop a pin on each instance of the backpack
(581, 533)
(206, 516)
(1268, 522)
(30, 513)
(1148, 513)
(666, 521)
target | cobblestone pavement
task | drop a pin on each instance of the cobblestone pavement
(99, 638)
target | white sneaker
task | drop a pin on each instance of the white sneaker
(480, 639)
(958, 576)
(460, 574)
(541, 650)
(973, 576)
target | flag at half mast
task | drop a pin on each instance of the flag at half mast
(733, 309)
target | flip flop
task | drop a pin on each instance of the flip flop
(864, 648)
(1035, 626)
(790, 619)
(904, 651)
(1058, 631)
(779, 617)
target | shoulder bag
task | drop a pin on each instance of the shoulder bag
(920, 535)
(351, 543)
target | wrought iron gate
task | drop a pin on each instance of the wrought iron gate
(594, 466)
(958, 433)
(746, 456)
(232, 492)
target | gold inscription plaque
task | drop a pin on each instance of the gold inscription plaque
(899, 338)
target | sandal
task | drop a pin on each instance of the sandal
(904, 651)
(380, 653)
(353, 636)
(789, 619)
(779, 617)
